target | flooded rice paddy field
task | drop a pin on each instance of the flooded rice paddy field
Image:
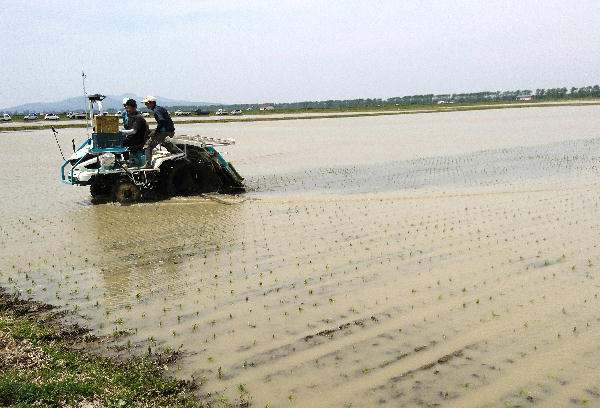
(426, 260)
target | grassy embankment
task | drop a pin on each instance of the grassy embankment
(345, 112)
(44, 363)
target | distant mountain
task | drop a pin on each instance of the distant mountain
(78, 103)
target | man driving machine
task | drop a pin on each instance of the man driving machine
(136, 128)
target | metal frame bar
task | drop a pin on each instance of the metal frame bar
(62, 168)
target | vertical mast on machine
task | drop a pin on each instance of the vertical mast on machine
(88, 109)
(90, 100)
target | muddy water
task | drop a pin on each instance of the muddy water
(445, 259)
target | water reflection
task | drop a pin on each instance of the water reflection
(147, 248)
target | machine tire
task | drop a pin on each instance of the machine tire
(100, 189)
(179, 180)
(206, 178)
(124, 191)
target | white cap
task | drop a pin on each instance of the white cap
(149, 98)
(125, 100)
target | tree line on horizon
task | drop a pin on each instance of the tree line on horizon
(430, 99)
(592, 91)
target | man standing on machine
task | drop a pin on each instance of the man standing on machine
(164, 129)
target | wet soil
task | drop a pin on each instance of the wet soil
(430, 260)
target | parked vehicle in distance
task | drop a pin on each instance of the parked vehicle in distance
(182, 113)
(76, 115)
(236, 112)
(201, 112)
(221, 112)
(31, 116)
(6, 117)
(51, 116)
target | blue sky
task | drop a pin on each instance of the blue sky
(278, 51)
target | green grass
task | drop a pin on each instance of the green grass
(69, 375)
(33, 127)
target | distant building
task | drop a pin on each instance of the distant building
(525, 97)
(266, 106)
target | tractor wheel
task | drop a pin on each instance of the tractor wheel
(99, 189)
(179, 180)
(124, 191)
(207, 178)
